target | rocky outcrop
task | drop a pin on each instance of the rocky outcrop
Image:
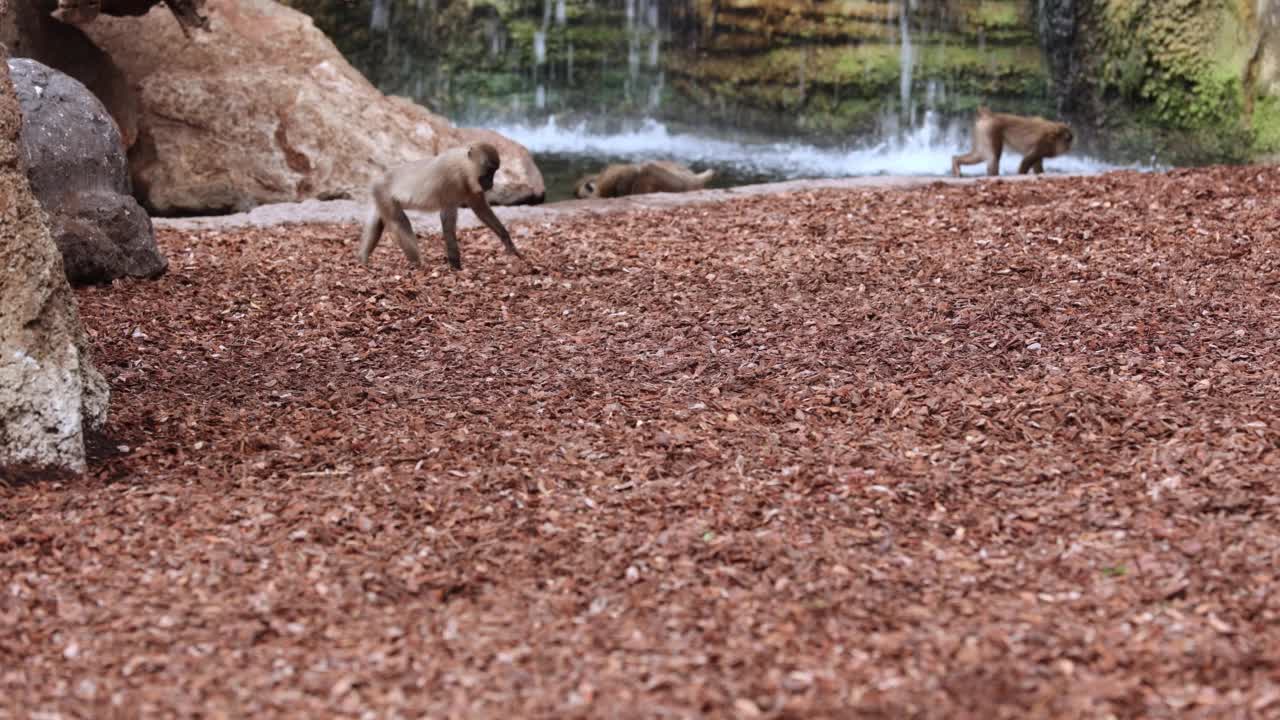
(49, 392)
(263, 108)
(76, 164)
(1180, 81)
(29, 30)
(79, 12)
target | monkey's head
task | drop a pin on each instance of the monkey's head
(586, 187)
(485, 157)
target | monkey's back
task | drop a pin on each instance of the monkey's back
(661, 176)
(427, 183)
(1021, 133)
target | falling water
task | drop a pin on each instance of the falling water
(540, 47)
(907, 60)
(380, 15)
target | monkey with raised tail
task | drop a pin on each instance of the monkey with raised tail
(638, 179)
(1034, 137)
(456, 177)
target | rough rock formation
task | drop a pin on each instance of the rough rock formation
(79, 12)
(1262, 72)
(1057, 24)
(49, 392)
(263, 108)
(29, 30)
(76, 165)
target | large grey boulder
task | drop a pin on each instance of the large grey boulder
(76, 163)
(49, 392)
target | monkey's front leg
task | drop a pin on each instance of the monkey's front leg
(449, 228)
(959, 161)
(993, 148)
(482, 210)
(1031, 162)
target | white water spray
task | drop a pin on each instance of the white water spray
(925, 150)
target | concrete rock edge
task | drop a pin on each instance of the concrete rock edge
(349, 211)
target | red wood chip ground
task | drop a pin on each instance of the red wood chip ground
(998, 450)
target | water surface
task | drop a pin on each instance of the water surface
(565, 152)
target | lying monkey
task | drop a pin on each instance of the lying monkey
(459, 176)
(651, 177)
(1034, 137)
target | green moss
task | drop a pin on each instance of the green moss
(993, 21)
(848, 88)
(1266, 126)
(1174, 57)
(994, 16)
(1000, 71)
(874, 69)
(862, 67)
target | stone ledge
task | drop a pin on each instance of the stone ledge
(350, 211)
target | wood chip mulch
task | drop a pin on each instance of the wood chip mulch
(1004, 450)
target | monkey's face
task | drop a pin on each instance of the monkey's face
(485, 156)
(586, 187)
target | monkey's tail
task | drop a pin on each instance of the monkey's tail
(705, 176)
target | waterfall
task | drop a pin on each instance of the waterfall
(628, 102)
(907, 61)
(380, 15)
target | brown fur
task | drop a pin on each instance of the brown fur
(651, 177)
(453, 178)
(1034, 137)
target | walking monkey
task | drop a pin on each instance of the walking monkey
(1034, 137)
(453, 178)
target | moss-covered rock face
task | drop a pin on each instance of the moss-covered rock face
(1177, 80)
(847, 65)
(472, 59)
(817, 65)
(1266, 127)
(1184, 76)
(1164, 60)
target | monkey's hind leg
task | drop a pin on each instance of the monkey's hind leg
(449, 229)
(370, 236)
(394, 216)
